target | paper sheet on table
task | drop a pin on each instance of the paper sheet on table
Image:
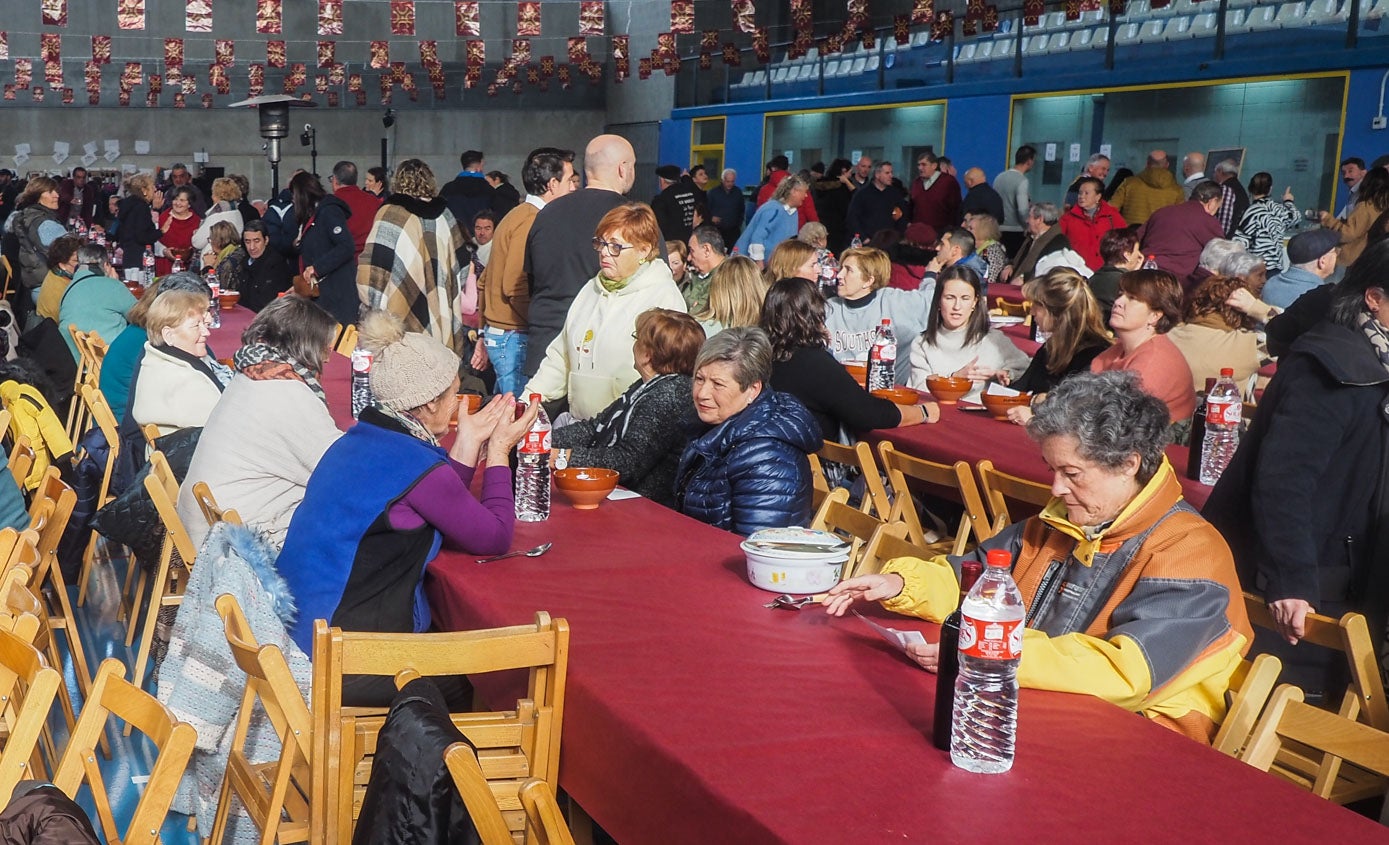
(999, 390)
(900, 639)
(618, 494)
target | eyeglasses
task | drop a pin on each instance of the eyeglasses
(612, 248)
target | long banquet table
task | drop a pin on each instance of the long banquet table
(696, 715)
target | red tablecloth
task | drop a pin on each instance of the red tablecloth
(1011, 293)
(973, 436)
(226, 339)
(695, 715)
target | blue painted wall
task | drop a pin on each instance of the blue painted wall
(976, 133)
(1362, 104)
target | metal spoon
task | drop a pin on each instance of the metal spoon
(535, 552)
(786, 601)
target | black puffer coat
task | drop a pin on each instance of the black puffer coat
(751, 471)
(327, 246)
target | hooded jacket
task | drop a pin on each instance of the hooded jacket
(33, 250)
(751, 471)
(1085, 232)
(1146, 192)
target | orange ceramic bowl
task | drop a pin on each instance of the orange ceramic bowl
(948, 389)
(859, 372)
(585, 487)
(899, 395)
(228, 298)
(998, 406)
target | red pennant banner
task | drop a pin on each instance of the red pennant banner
(869, 40)
(269, 17)
(101, 49)
(9, 91)
(901, 29)
(198, 16)
(330, 17)
(67, 96)
(591, 17)
(55, 12)
(969, 27)
(1032, 11)
(547, 66)
(532, 75)
(578, 48)
(224, 52)
(255, 76)
(990, 18)
(130, 14)
(429, 54)
(327, 53)
(706, 61)
(23, 73)
(275, 53)
(189, 85)
(1073, 8)
(173, 52)
(682, 16)
(528, 19)
(5, 45)
(360, 98)
(402, 17)
(731, 55)
(156, 83)
(1117, 7)
(743, 12)
(974, 9)
(386, 92)
(333, 99)
(564, 76)
(520, 51)
(760, 47)
(665, 45)
(133, 75)
(51, 47)
(218, 78)
(923, 11)
(354, 82)
(465, 20)
(336, 75)
(643, 68)
(942, 26)
(53, 73)
(709, 40)
(207, 101)
(38, 93)
(380, 54)
(397, 73)
(92, 72)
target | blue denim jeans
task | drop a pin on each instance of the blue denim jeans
(507, 352)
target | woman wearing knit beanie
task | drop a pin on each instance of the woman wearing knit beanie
(386, 495)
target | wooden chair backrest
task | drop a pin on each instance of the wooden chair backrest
(1012, 309)
(20, 609)
(105, 419)
(860, 455)
(891, 543)
(522, 740)
(207, 503)
(151, 432)
(543, 813)
(51, 522)
(1349, 635)
(1250, 687)
(28, 686)
(112, 695)
(956, 478)
(999, 487)
(851, 524)
(477, 795)
(9, 277)
(347, 341)
(97, 348)
(1289, 720)
(21, 460)
(163, 489)
(276, 795)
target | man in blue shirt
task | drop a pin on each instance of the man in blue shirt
(1312, 259)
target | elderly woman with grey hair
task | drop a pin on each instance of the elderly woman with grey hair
(1131, 596)
(777, 220)
(748, 469)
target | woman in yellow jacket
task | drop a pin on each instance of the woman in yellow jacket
(1131, 596)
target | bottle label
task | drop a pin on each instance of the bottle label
(991, 640)
(887, 352)
(361, 361)
(1221, 411)
(536, 441)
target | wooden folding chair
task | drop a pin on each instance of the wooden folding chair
(1364, 700)
(1250, 688)
(54, 500)
(1289, 724)
(956, 479)
(173, 740)
(889, 543)
(515, 745)
(855, 526)
(207, 503)
(543, 813)
(347, 340)
(859, 456)
(477, 795)
(27, 688)
(1011, 309)
(275, 794)
(9, 278)
(999, 487)
(102, 416)
(168, 581)
(21, 460)
(73, 427)
(151, 432)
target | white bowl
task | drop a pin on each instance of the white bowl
(795, 560)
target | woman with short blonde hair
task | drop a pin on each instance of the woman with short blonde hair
(736, 291)
(865, 301)
(177, 384)
(226, 194)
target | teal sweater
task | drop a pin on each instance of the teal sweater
(117, 368)
(93, 302)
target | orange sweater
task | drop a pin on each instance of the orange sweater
(1161, 368)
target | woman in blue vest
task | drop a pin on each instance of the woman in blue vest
(386, 496)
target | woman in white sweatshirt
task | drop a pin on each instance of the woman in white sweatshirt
(958, 340)
(591, 362)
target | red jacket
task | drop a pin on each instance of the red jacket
(805, 214)
(1085, 232)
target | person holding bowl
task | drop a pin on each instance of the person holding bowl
(958, 340)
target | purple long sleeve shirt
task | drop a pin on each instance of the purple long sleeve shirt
(443, 499)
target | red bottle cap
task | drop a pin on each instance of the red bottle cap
(1227, 372)
(1000, 557)
(536, 397)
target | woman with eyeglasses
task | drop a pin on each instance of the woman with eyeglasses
(591, 363)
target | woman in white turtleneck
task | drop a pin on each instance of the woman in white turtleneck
(958, 340)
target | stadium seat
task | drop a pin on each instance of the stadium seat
(1128, 34)
(1262, 19)
(1292, 14)
(1151, 31)
(1328, 11)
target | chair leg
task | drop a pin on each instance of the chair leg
(219, 819)
(85, 577)
(136, 604)
(69, 625)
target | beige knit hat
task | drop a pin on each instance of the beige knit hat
(410, 368)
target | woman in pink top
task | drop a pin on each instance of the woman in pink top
(1149, 304)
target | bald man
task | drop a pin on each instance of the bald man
(1193, 171)
(980, 197)
(559, 250)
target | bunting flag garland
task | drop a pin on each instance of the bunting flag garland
(528, 19)
(732, 56)
(327, 53)
(942, 26)
(198, 17)
(380, 54)
(224, 52)
(760, 46)
(923, 11)
(591, 17)
(268, 17)
(682, 17)
(55, 12)
(156, 83)
(330, 17)
(255, 76)
(901, 29)
(465, 19)
(275, 53)
(402, 17)
(23, 73)
(990, 18)
(130, 14)
(173, 52)
(743, 11)
(1032, 11)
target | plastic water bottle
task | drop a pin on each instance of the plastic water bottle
(986, 691)
(533, 470)
(948, 667)
(361, 380)
(215, 309)
(857, 242)
(1223, 410)
(147, 265)
(1150, 263)
(882, 359)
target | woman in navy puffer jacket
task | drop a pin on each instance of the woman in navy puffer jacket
(749, 470)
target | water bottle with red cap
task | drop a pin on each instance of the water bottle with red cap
(533, 469)
(986, 690)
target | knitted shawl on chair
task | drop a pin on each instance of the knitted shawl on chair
(415, 265)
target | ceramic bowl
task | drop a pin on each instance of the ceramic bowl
(859, 372)
(585, 487)
(948, 389)
(228, 299)
(998, 406)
